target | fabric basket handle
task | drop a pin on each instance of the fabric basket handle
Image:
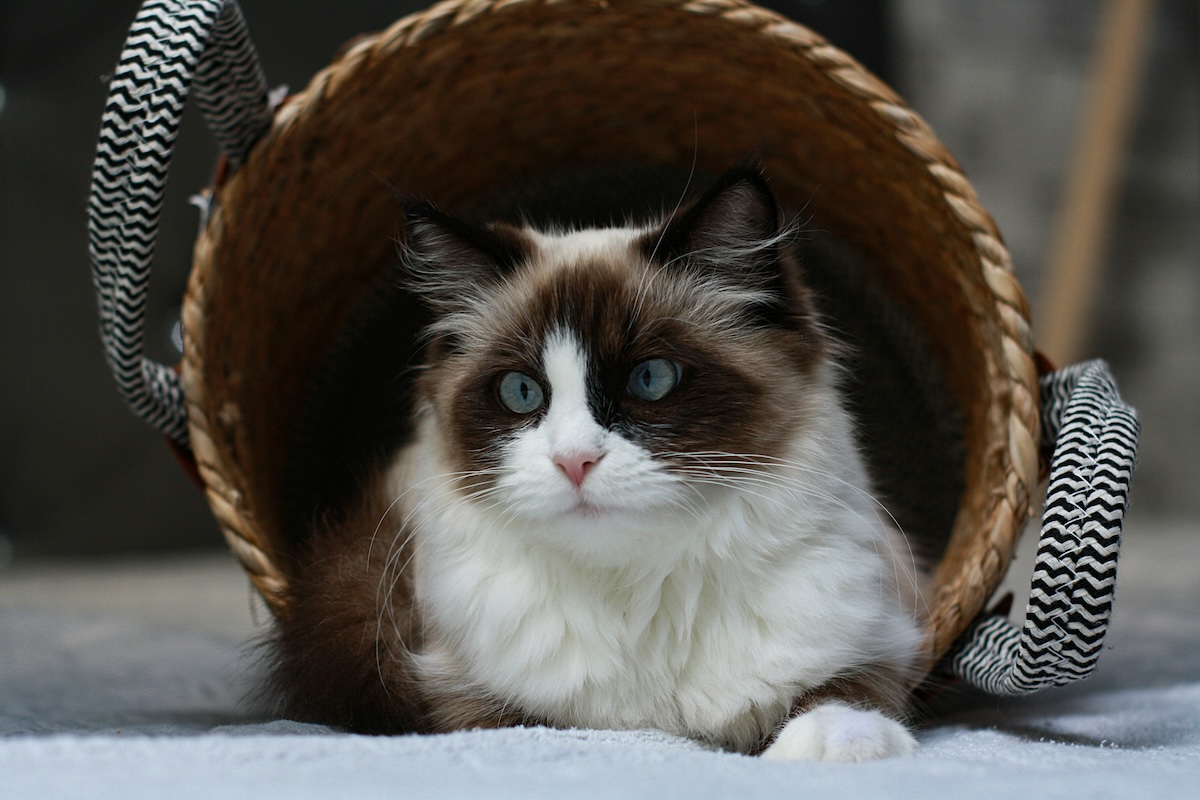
(1094, 435)
(173, 46)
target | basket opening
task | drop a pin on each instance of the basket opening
(466, 111)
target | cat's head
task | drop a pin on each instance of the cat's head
(605, 376)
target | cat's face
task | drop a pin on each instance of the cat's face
(599, 379)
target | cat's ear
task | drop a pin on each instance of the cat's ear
(733, 231)
(449, 261)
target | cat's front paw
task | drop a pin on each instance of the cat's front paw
(837, 732)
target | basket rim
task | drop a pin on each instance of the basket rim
(962, 589)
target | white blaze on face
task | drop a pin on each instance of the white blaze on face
(575, 441)
(567, 463)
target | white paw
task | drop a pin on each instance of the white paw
(836, 732)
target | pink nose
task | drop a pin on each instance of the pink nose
(576, 466)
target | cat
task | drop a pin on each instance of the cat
(631, 498)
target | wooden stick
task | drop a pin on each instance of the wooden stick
(1075, 257)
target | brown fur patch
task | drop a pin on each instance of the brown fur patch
(341, 654)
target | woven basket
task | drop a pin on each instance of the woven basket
(472, 95)
(468, 97)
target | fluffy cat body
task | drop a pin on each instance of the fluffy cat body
(632, 500)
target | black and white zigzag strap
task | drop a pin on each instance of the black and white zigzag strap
(172, 45)
(1070, 600)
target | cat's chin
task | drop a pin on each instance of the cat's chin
(613, 516)
(620, 505)
(589, 510)
(607, 530)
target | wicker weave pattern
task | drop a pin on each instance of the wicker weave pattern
(813, 96)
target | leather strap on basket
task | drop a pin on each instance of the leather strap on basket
(173, 45)
(1094, 436)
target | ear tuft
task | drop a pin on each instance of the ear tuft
(738, 210)
(449, 261)
(733, 235)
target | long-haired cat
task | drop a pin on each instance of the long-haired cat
(631, 498)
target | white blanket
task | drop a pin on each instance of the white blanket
(118, 704)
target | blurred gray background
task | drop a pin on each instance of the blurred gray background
(1003, 82)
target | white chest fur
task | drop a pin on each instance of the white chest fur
(733, 612)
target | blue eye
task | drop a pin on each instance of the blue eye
(654, 379)
(520, 393)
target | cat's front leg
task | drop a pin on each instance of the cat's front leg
(853, 718)
(835, 731)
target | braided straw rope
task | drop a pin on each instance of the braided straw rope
(469, 95)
